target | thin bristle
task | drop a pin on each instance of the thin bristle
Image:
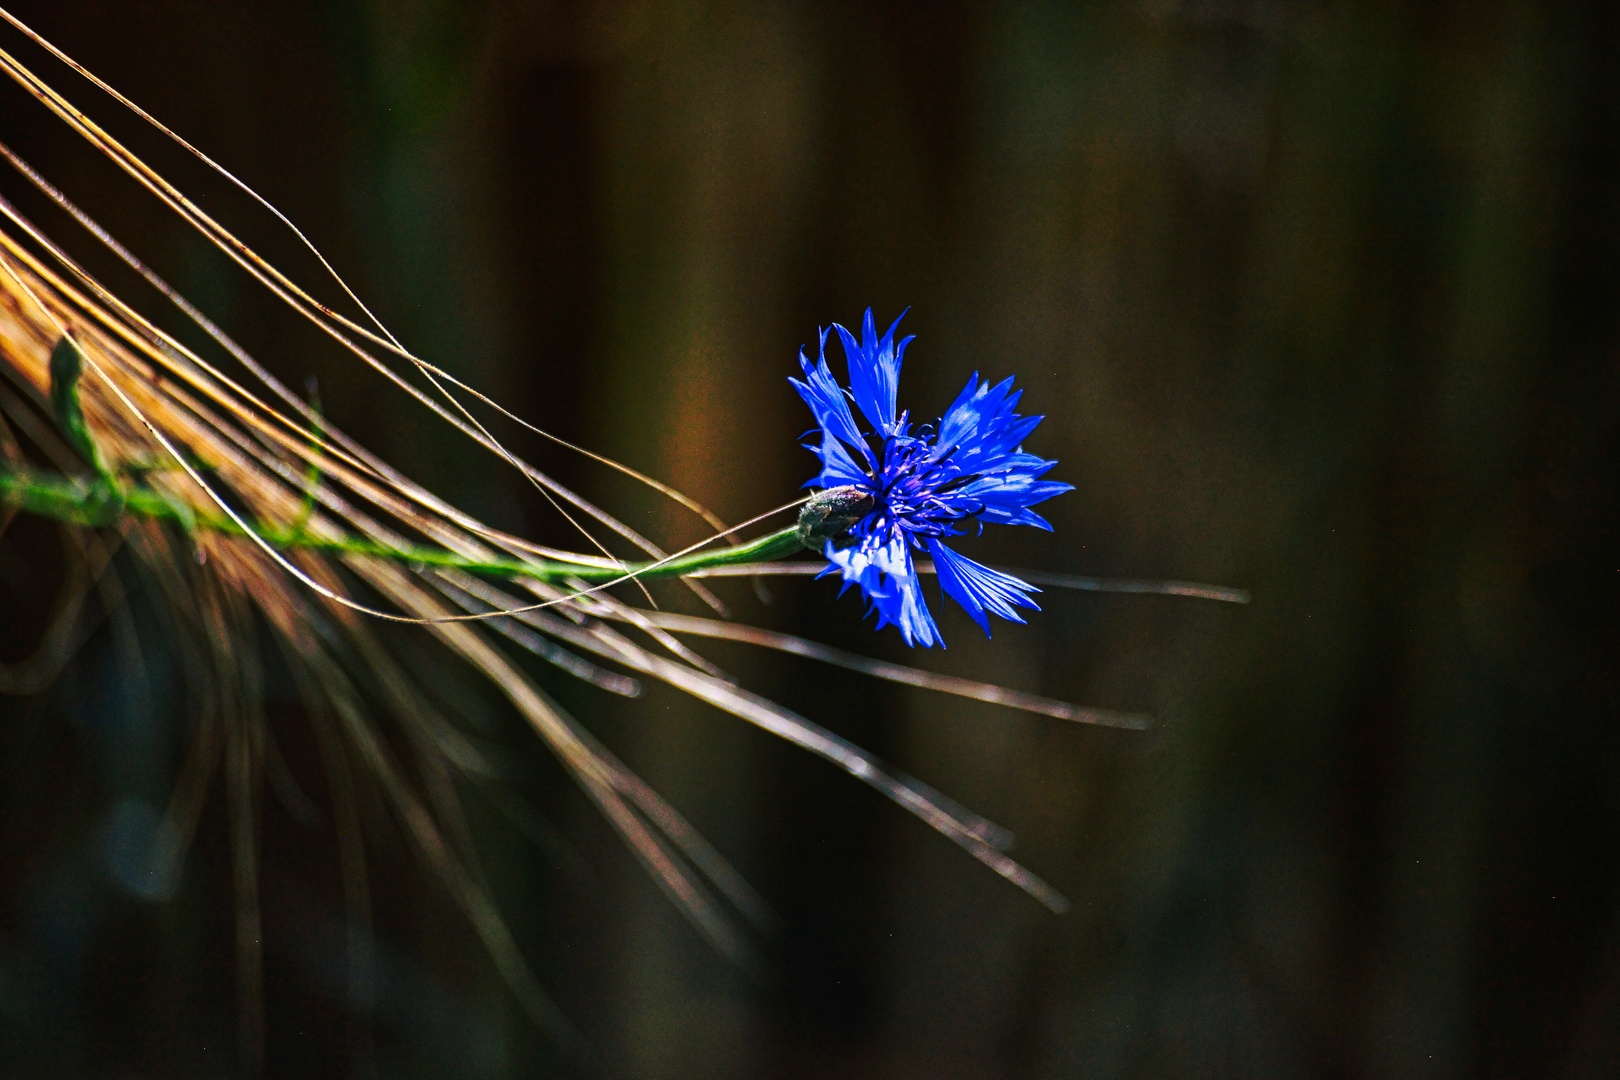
(897, 673)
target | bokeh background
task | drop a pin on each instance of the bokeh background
(1322, 299)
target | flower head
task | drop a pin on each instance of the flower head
(890, 490)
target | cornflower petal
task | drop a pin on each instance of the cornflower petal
(827, 402)
(961, 418)
(837, 467)
(978, 588)
(874, 372)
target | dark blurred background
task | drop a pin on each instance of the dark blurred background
(1320, 299)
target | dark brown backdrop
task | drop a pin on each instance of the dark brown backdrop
(1321, 300)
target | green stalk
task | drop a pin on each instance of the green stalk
(67, 367)
(102, 502)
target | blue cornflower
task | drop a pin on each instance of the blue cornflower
(890, 490)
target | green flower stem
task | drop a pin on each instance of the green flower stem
(102, 502)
